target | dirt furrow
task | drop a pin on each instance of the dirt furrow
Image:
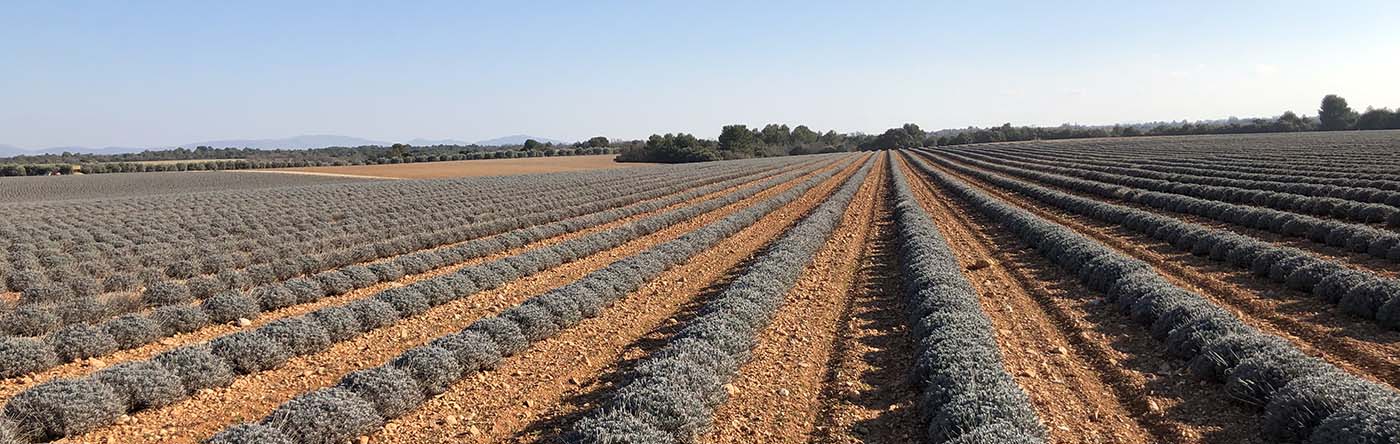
(252, 397)
(867, 394)
(1359, 346)
(776, 396)
(535, 395)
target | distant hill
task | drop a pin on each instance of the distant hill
(518, 139)
(295, 142)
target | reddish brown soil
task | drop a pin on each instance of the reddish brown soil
(777, 395)
(868, 395)
(1320, 329)
(1091, 376)
(253, 397)
(533, 395)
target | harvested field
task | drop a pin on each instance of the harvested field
(1234, 289)
(468, 168)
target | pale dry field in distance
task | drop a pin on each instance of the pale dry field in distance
(470, 168)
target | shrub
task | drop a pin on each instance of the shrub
(80, 310)
(249, 352)
(434, 368)
(298, 335)
(142, 384)
(176, 319)
(63, 407)
(373, 313)
(29, 320)
(339, 322)
(505, 333)
(249, 434)
(22, 356)
(325, 416)
(81, 341)
(392, 390)
(273, 297)
(197, 368)
(166, 293)
(407, 301)
(230, 306)
(474, 350)
(132, 330)
(304, 290)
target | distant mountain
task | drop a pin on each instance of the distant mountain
(430, 142)
(518, 139)
(296, 142)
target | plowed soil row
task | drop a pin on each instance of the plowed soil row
(1092, 378)
(777, 396)
(868, 395)
(1317, 328)
(10, 387)
(535, 395)
(253, 397)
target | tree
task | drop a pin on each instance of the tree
(775, 134)
(895, 138)
(1335, 114)
(1374, 119)
(532, 144)
(738, 141)
(1289, 122)
(597, 142)
(802, 135)
(918, 134)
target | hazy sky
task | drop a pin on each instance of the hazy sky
(158, 73)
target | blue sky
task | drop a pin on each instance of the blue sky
(157, 73)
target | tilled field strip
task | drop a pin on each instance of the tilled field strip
(776, 397)
(868, 395)
(9, 387)
(1352, 344)
(250, 398)
(1076, 384)
(535, 393)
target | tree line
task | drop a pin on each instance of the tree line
(206, 158)
(1334, 114)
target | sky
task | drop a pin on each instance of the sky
(158, 73)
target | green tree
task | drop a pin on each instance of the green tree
(1374, 119)
(532, 144)
(738, 141)
(802, 135)
(1335, 114)
(917, 133)
(597, 142)
(776, 135)
(895, 138)
(1290, 122)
